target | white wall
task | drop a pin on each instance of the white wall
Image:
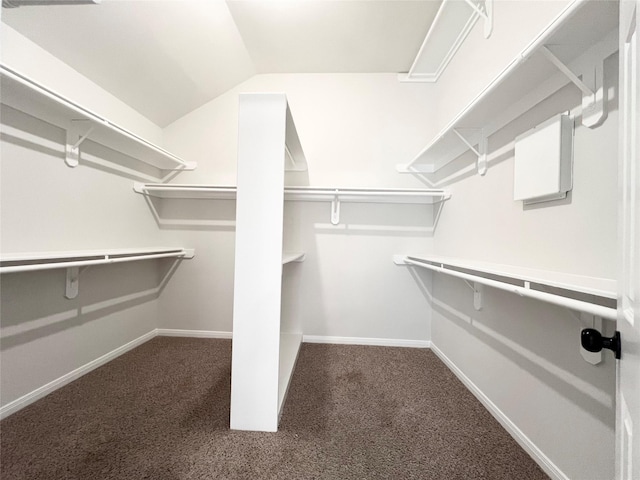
(354, 129)
(47, 206)
(22, 55)
(522, 355)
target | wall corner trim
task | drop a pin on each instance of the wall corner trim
(518, 435)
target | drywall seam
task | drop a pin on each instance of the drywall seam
(38, 393)
(525, 442)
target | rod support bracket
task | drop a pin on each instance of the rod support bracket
(335, 209)
(73, 277)
(482, 163)
(486, 13)
(77, 132)
(478, 290)
(594, 101)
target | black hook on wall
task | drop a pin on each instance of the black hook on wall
(593, 341)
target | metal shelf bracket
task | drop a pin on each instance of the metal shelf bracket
(486, 13)
(478, 290)
(481, 151)
(71, 288)
(592, 87)
(75, 137)
(335, 209)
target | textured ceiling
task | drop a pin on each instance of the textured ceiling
(165, 58)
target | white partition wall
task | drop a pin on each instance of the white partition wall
(255, 373)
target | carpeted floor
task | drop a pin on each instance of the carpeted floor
(161, 412)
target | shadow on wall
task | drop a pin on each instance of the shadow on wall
(541, 339)
(193, 214)
(34, 306)
(21, 129)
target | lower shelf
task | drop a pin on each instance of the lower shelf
(289, 348)
(595, 296)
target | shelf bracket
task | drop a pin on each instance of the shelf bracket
(478, 290)
(75, 137)
(486, 13)
(73, 276)
(481, 151)
(592, 87)
(335, 209)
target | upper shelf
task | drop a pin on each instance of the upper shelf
(449, 29)
(175, 190)
(320, 194)
(583, 31)
(26, 95)
(588, 294)
(303, 194)
(295, 161)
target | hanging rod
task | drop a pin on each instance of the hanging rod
(526, 291)
(406, 195)
(51, 261)
(59, 110)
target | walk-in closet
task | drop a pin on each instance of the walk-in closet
(324, 239)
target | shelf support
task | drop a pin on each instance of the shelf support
(486, 14)
(75, 137)
(71, 288)
(592, 87)
(481, 151)
(478, 291)
(335, 209)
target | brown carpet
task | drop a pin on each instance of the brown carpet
(161, 412)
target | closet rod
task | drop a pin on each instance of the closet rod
(72, 110)
(106, 259)
(573, 304)
(382, 192)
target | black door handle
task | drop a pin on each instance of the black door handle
(593, 341)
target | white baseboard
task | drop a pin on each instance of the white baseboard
(173, 332)
(381, 342)
(525, 442)
(38, 393)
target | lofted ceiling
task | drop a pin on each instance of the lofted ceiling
(165, 58)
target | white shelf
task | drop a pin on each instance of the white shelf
(289, 348)
(288, 257)
(193, 191)
(588, 294)
(295, 161)
(23, 262)
(335, 195)
(365, 195)
(312, 194)
(26, 95)
(527, 80)
(447, 33)
(74, 261)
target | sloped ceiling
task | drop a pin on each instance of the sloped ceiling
(165, 58)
